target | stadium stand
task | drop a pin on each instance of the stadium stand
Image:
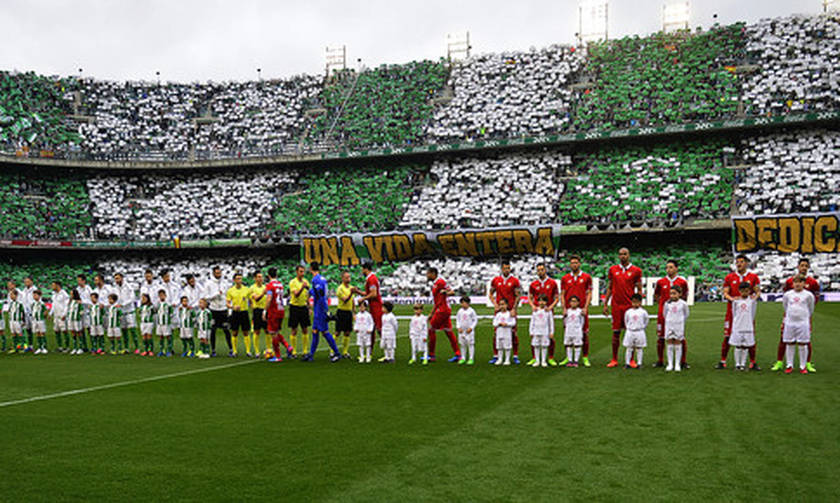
(489, 191)
(662, 185)
(775, 268)
(389, 105)
(43, 206)
(194, 205)
(663, 78)
(44, 272)
(799, 56)
(32, 112)
(791, 172)
(508, 94)
(346, 199)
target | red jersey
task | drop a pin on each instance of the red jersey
(623, 281)
(576, 285)
(275, 302)
(663, 289)
(439, 288)
(372, 285)
(505, 288)
(547, 287)
(733, 280)
(811, 284)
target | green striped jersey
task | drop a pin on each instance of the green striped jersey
(164, 314)
(147, 313)
(75, 311)
(97, 315)
(15, 311)
(38, 310)
(114, 317)
(186, 317)
(204, 319)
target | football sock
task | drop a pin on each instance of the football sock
(515, 349)
(425, 352)
(453, 341)
(803, 355)
(345, 344)
(170, 344)
(781, 351)
(724, 349)
(367, 352)
(234, 343)
(585, 345)
(29, 338)
(670, 356)
(628, 355)
(810, 350)
(227, 339)
(660, 349)
(551, 347)
(682, 352)
(431, 341)
(790, 350)
(307, 341)
(507, 355)
(570, 351)
(268, 340)
(247, 343)
(678, 350)
(472, 351)
(615, 343)
(751, 351)
(639, 353)
(293, 341)
(576, 354)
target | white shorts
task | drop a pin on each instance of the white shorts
(742, 339)
(60, 325)
(203, 334)
(540, 341)
(673, 335)
(418, 344)
(635, 339)
(15, 327)
(147, 328)
(114, 332)
(504, 341)
(363, 339)
(573, 340)
(97, 330)
(39, 327)
(75, 326)
(186, 333)
(796, 333)
(163, 330)
(467, 338)
(129, 321)
(389, 342)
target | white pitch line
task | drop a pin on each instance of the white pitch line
(120, 384)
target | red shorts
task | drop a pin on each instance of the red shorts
(376, 314)
(441, 321)
(275, 321)
(618, 317)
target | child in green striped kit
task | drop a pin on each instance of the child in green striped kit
(39, 323)
(16, 317)
(147, 325)
(97, 326)
(113, 320)
(186, 323)
(75, 313)
(163, 325)
(204, 324)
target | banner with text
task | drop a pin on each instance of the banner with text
(353, 248)
(789, 233)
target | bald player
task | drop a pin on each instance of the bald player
(623, 280)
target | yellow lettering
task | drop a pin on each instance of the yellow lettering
(466, 244)
(503, 240)
(822, 225)
(348, 252)
(789, 234)
(402, 246)
(764, 233)
(544, 244)
(522, 241)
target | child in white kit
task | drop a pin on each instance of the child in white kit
(799, 307)
(573, 322)
(743, 325)
(635, 340)
(466, 320)
(504, 323)
(540, 329)
(418, 330)
(676, 313)
(390, 326)
(363, 326)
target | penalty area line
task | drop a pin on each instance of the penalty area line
(122, 383)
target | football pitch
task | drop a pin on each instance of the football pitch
(172, 429)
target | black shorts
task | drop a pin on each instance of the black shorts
(239, 321)
(343, 321)
(259, 323)
(299, 317)
(220, 319)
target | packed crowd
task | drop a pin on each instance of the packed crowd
(774, 66)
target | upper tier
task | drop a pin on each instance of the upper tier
(772, 67)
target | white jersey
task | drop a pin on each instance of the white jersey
(466, 319)
(26, 299)
(573, 323)
(103, 292)
(636, 319)
(193, 293)
(541, 321)
(676, 314)
(503, 321)
(799, 306)
(60, 303)
(389, 326)
(8, 301)
(84, 295)
(173, 292)
(743, 315)
(215, 291)
(125, 297)
(363, 323)
(419, 327)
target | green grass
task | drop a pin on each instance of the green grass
(351, 432)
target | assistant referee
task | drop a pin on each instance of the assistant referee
(237, 301)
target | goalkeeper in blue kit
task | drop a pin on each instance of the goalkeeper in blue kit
(320, 311)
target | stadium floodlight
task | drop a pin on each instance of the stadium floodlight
(458, 46)
(675, 16)
(336, 58)
(831, 5)
(593, 21)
